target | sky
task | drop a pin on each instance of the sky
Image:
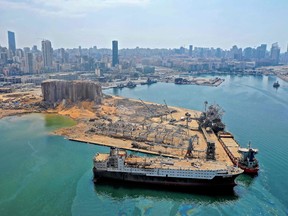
(145, 23)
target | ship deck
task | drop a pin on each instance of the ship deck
(168, 163)
(232, 146)
(220, 153)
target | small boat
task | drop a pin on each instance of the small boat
(276, 84)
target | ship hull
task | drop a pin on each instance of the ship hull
(247, 170)
(216, 184)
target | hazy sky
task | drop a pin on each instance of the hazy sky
(145, 23)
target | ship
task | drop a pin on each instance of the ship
(244, 158)
(276, 84)
(131, 84)
(149, 82)
(183, 174)
(120, 86)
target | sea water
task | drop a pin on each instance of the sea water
(44, 174)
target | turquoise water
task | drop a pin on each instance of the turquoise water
(42, 174)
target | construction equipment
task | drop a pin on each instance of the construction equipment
(190, 146)
(170, 112)
(145, 105)
(212, 118)
(210, 153)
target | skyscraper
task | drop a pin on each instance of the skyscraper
(11, 42)
(34, 49)
(47, 53)
(261, 51)
(62, 55)
(248, 53)
(275, 53)
(80, 51)
(28, 62)
(115, 59)
(190, 50)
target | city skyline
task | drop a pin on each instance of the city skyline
(189, 48)
(145, 23)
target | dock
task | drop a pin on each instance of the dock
(88, 141)
(146, 127)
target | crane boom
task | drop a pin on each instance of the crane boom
(168, 110)
(142, 102)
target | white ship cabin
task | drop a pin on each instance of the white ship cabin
(248, 156)
(113, 160)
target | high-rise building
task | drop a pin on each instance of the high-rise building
(62, 55)
(218, 53)
(285, 57)
(190, 50)
(11, 42)
(28, 62)
(3, 57)
(261, 51)
(47, 53)
(236, 53)
(26, 49)
(80, 51)
(248, 53)
(115, 59)
(275, 53)
(34, 49)
(20, 53)
(181, 50)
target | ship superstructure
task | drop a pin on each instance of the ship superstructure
(185, 173)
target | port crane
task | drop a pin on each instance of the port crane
(145, 105)
(170, 112)
(153, 114)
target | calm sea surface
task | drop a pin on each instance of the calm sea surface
(43, 174)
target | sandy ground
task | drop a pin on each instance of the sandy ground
(279, 71)
(174, 138)
(25, 98)
(121, 122)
